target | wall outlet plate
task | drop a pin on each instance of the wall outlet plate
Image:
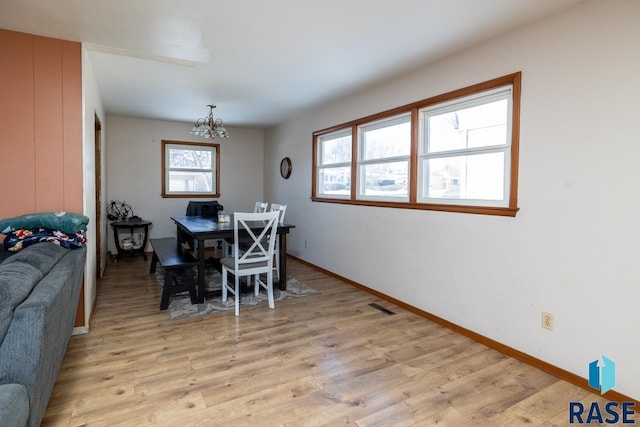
(547, 321)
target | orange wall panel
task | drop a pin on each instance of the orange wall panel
(72, 126)
(40, 124)
(48, 123)
(17, 180)
(40, 127)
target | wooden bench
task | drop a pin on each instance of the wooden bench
(173, 259)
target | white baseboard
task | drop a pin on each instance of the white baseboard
(79, 330)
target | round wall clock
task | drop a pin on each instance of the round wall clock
(285, 168)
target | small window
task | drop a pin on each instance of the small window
(190, 169)
(334, 164)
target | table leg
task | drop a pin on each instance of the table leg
(282, 268)
(117, 242)
(201, 268)
(144, 242)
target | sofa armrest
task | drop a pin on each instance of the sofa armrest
(14, 405)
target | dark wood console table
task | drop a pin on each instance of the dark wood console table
(138, 239)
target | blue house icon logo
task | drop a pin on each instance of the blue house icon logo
(602, 374)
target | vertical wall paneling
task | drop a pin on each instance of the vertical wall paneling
(16, 123)
(41, 127)
(72, 125)
(40, 124)
(49, 154)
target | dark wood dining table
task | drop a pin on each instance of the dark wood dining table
(201, 229)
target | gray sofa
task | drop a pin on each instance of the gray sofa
(39, 291)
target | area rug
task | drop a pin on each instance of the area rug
(180, 304)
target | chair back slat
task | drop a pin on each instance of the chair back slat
(260, 207)
(258, 230)
(279, 208)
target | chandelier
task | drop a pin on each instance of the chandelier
(209, 127)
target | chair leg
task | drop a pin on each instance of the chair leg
(276, 265)
(237, 287)
(224, 283)
(256, 286)
(270, 289)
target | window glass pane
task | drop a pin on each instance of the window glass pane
(386, 141)
(336, 181)
(385, 179)
(477, 177)
(184, 181)
(479, 126)
(335, 149)
(190, 158)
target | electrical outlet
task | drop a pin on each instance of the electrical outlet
(547, 321)
(306, 244)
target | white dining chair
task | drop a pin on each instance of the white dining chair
(257, 259)
(282, 209)
(227, 244)
(275, 207)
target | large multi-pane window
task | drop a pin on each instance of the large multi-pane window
(190, 169)
(453, 152)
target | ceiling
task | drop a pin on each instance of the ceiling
(259, 61)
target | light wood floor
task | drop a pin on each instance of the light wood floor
(322, 360)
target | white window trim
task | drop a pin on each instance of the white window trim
(374, 125)
(322, 166)
(502, 93)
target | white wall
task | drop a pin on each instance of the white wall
(92, 106)
(571, 250)
(134, 170)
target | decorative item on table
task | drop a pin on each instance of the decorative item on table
(127, 243)
(224, 217)
(119, 211)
